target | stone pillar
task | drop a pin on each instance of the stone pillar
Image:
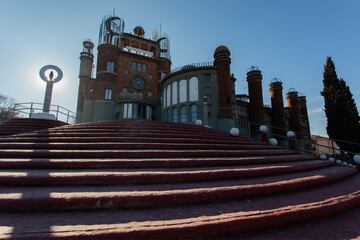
(277, 105)
(47, 98)
(293, 105)
(305, 127)
(225, 83)
(256, 105)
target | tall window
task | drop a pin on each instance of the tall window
(110, 66)
(125, 110)
(183, 91)
(169, 115)
(194, 89)
(168, 96)
(194, 113)
(133, 66)
(174, 93)
(183, 114)
(130, 111)
(108, 94)
(175, 115)
(139, 67)
(162, 75)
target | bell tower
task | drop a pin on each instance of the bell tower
(277, 105)
(225, 84)
(85, 74)
(256, 105)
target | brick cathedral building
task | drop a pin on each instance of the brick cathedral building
(134, 80)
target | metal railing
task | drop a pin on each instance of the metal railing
(309, 146)
(192, 66)
(28, 110)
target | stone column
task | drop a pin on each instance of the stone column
(277, 105)
(256, 105)
(305, 127)
(293, 105)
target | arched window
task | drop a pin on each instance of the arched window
(125, 110)
(174, 92)
(168, 96)
(135, 44)
(133, 66)
(108, 94)
(183, 91)
(145, 47)
(130, 110)
(194, 113)
(169, 115)
(139, 67)
(183, 114)
(110, 66)
(175, 115)
(194, 89)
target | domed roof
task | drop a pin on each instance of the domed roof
(139, 31)
(221, 49)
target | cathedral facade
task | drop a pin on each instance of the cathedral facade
(134, 80)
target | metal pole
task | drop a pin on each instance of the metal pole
(57, 112)
(206, 120)
(67, 118)
(31, 109)
(332, 146)
(47, 99)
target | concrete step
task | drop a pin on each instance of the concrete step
(190, 222)
(43, 199)
(134, 145)
(114, 134)
(129, 135)
(17, 126)
(147, 176)
(44, 153)
(73, 163)
(65, 139)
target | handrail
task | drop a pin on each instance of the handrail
(28, 109)
(333, 149)
(192, 65)
(285, 130)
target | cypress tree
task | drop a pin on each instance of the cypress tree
(343, 121)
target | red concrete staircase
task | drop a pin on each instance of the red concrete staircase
(22, 125)
(159, 180)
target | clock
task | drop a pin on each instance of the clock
(138, 82)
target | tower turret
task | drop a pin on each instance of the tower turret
(225, 83)
(293, 105)
(85, 74)
(256, 105)
(86, 59)
(277, 105)
(304, 116)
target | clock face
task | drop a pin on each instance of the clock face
(138, 82)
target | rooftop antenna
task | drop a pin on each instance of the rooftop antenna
(160, 30)
(114, 11)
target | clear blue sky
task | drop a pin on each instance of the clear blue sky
(286, 39)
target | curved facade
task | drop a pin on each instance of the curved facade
(133, 80)
(182, 95)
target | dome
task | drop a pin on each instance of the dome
(222, 49)
(139, 31)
